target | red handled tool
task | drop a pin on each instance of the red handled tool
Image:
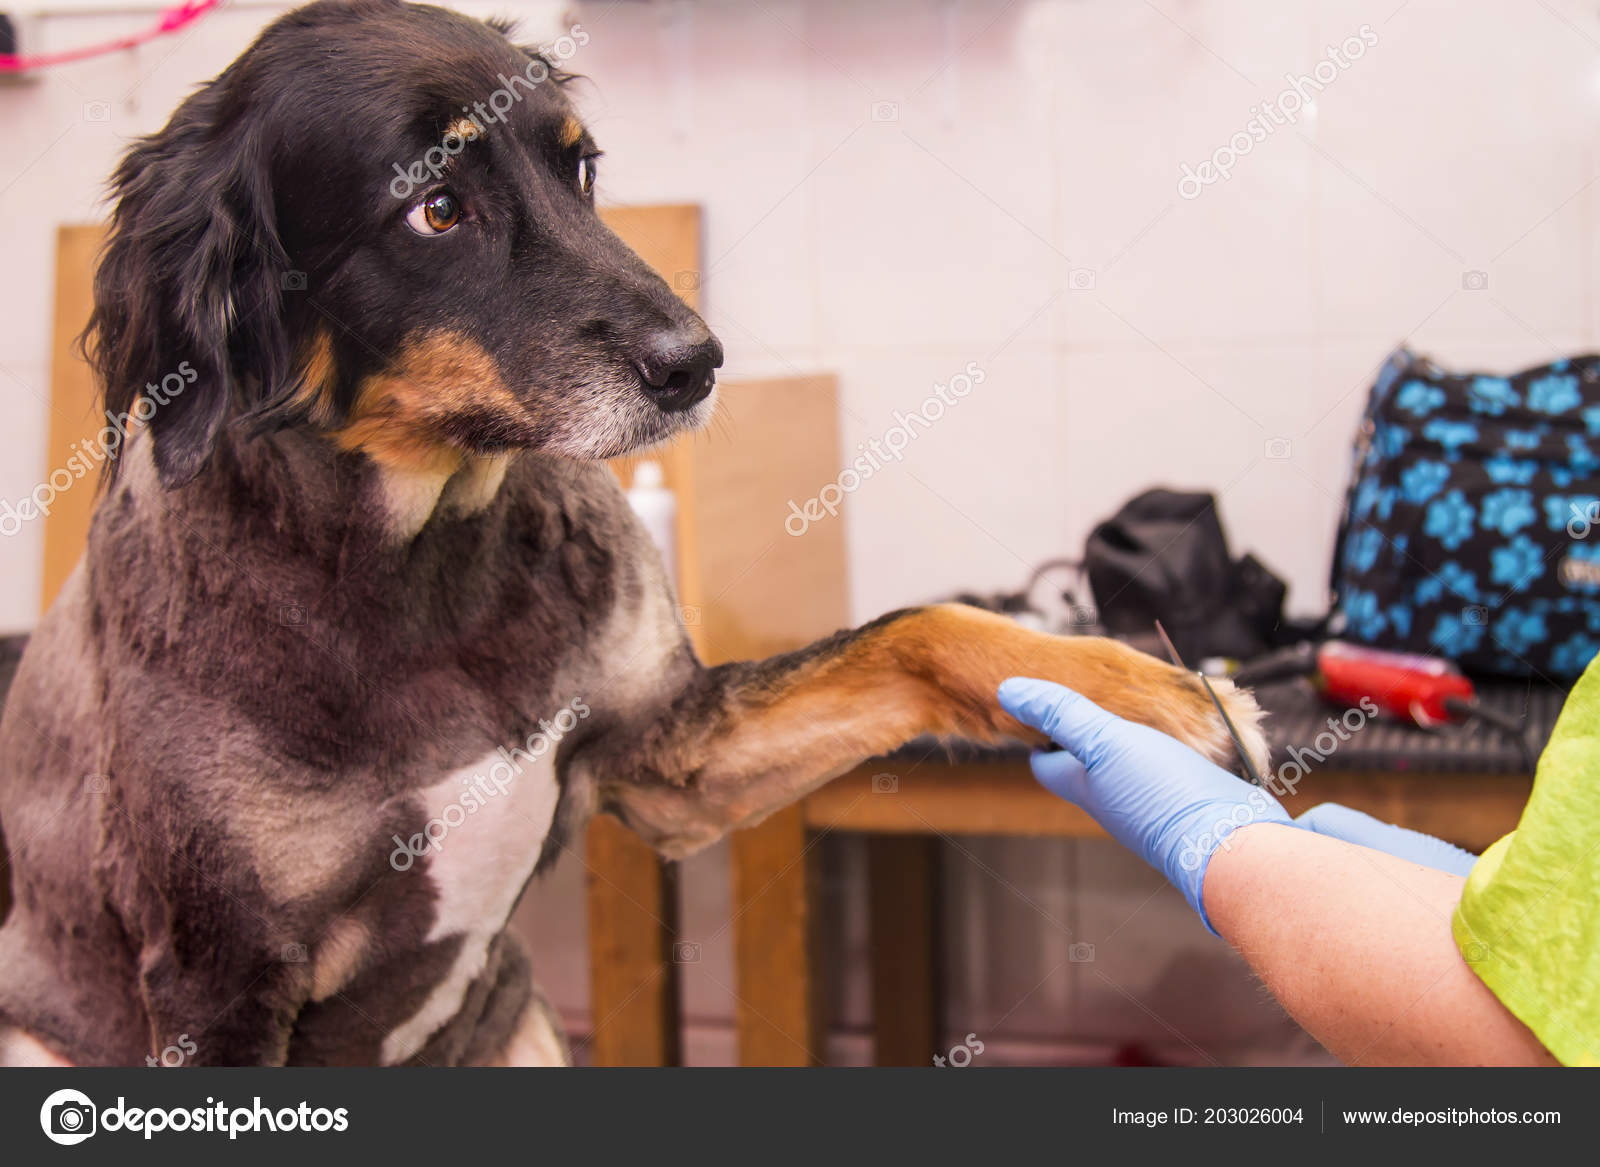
(1426, 691)
(1420, 689)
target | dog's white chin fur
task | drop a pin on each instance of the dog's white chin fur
(604, 421)
(664, 426)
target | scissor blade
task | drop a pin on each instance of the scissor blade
(1233, 732)
(1238, 743)
(1172, 649)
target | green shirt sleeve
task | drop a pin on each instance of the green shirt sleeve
(1529, 918)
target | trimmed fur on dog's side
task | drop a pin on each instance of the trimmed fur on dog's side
(365, 628)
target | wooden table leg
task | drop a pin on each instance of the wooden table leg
(778, 1011)
(633, 918)
(903, 884)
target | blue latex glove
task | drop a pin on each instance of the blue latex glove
(1353, 826)
(1151, 793)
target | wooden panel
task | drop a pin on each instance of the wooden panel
(765, 590)
(632, 909)
(74, 409)
(667, 237)
(1001, 798)
(778, 1007)
(965, 799)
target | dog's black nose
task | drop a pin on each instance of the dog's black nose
(679, 368)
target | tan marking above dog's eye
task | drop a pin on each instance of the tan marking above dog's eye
(463, 130)
(571, 131)
(435, 214)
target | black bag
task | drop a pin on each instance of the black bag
(1468, 529)
(1163, 556)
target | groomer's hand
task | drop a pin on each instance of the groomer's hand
(1151, 793)
(1353, 826)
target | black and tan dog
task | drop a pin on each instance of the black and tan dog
(365, 628)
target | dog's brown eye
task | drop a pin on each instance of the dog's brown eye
(586, 173)
(435, 214)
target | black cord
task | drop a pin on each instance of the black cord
(1504, 722)
(1050, 565)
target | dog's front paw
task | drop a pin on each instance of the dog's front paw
(1246, 716)
(1141, 688)
(1185, 710)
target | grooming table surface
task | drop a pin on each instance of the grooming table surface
(1297, 714)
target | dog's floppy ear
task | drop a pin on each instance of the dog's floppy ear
(191, 283)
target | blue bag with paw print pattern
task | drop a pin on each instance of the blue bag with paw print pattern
(1472, 525)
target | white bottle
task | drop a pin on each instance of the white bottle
(658, 511)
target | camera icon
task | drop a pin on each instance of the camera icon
(68, 1117)
(1474, 281)
(72, 1118)
(1081, 953)
(292, 615)
(97, 784)
(293, 281)
(1475, 616)
(688, 614)
(684, 952)
(1081, 279)
(686, 281)
(97, 111)
(1083, 616)
(885, 784)
(1277, 449)
(885, 111)
(293, 954)
(1475, 952)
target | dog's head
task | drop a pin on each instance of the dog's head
(379, 222)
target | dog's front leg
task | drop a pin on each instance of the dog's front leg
(228, 1001)
(222, 972)
(742, 740)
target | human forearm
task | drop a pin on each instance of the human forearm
(1356, 944)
